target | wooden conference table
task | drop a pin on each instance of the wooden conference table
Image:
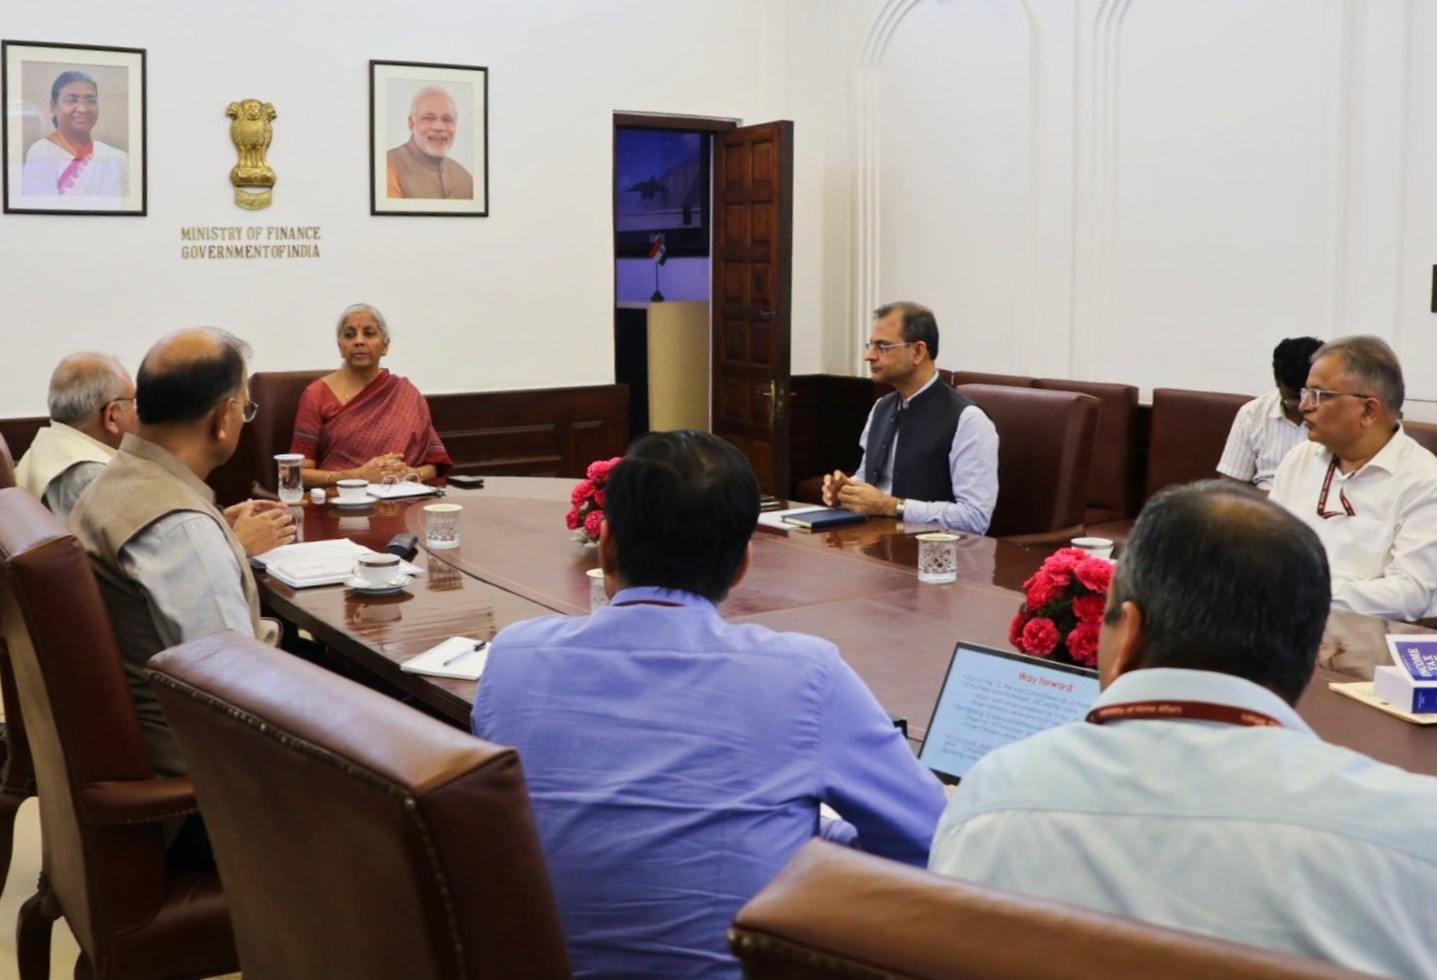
(856, 586)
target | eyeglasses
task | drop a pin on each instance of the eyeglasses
(1318, 395)
(251, 409)
(88, 101)
(883, 348)
(112, 401)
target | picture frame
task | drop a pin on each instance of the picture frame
(428, 139)
(75, 135)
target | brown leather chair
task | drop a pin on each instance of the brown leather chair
(101, 806)
(1423, 433)
(1112, 483)
(1189, 430)
(17, 782)
(956, 378)
(251, 471)
(834, 912)
(357, 837)
(1045, 445)
(7, 465)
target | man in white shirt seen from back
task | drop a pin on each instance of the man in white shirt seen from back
(1361, 483)
(1194, 796)
(1267, 427)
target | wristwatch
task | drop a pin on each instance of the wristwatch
(898, 511)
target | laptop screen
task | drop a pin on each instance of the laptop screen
(993, 697)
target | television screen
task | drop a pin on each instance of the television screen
(661, 185)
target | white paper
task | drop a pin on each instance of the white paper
(310, 563)
(468, 666)
(774, 518)
(401, 489)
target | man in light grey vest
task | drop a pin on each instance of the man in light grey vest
(169, 567)
(92, 407)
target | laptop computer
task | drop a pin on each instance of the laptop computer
(992, 697)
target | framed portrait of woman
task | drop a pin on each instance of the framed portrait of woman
(428, 139)
(74, 136)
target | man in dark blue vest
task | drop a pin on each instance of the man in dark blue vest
(929, 454)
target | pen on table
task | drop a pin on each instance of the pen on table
(465, 652)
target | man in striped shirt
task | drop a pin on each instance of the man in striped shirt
(1267, 427)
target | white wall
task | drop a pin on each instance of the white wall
(523, 298)
(1153, 191)
(1144, 190)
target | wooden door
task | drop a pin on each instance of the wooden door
(752, 260)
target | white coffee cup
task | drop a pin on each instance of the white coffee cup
(352, 491)
(377, 570)
(1097, 547)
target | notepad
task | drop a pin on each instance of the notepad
(823, 517)
(310, 563)
(464, 662)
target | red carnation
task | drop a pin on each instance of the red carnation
(572, 518)
(1095, 573)
(599, 497)
(1083, 644)
(1089, 608)
(599, 469)
(1042, 589)
(592, 520)
(1065, 558)
(582, 492)
(1040, 637)
(1015, 631)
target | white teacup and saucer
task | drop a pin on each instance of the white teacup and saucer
(377, 574)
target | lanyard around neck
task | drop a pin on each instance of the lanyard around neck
(1171, 710)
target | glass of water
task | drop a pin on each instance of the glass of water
(291, 487)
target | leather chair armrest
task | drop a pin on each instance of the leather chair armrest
(144, 801)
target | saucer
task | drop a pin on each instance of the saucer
(351, 504)
(394, 585)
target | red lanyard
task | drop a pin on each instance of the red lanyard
(1169, 710)
(1322, 510)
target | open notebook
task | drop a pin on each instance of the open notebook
(993, 697)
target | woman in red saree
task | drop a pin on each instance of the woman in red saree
(361, 421)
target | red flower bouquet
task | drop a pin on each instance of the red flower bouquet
(1063, 608)
(587, 499)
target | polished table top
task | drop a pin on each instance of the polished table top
(854, 585)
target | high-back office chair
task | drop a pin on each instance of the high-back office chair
(357, 837)
(1189, 430)
(834, 912)
(7, 465)
(101, 805)
(277, 394)
(1045, 446)
(1112, 472)
(17, 781)
(251, 471)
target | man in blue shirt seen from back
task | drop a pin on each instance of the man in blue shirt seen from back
(676, 761)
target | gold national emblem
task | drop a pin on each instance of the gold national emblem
(252, 177)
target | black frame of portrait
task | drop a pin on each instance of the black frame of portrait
(132, 60)
(474, 75)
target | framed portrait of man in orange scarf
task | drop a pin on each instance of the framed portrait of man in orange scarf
(74, 135)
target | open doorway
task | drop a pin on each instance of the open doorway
(662, 275)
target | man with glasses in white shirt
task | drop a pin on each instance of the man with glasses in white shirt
(929, 454)
(1365, 487)
(1266, 428)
